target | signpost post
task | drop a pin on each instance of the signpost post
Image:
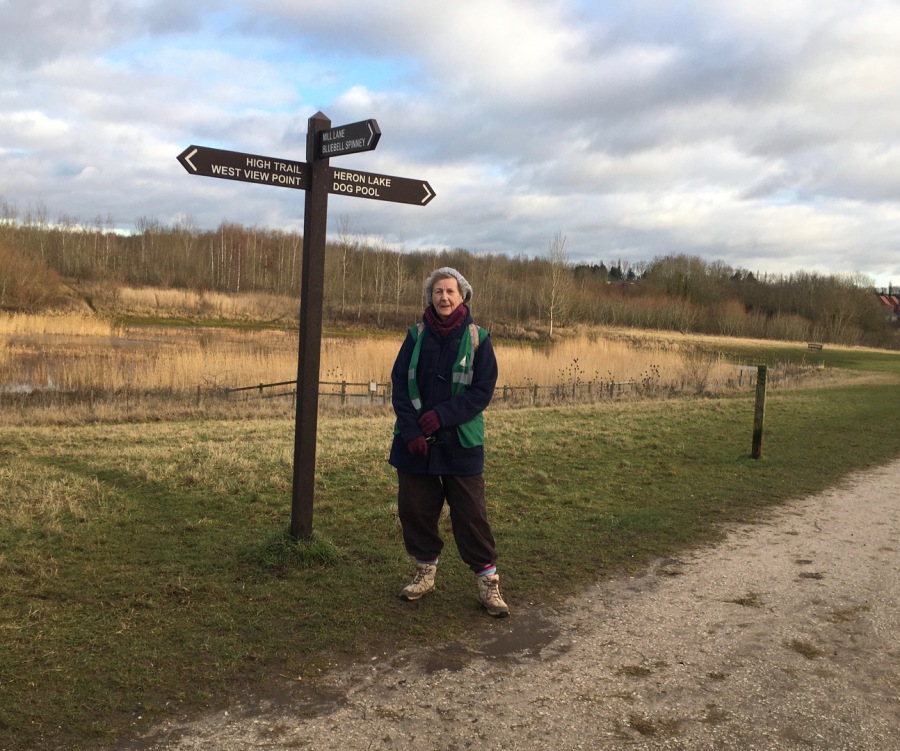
(318, 179)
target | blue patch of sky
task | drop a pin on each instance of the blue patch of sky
(604, 10)
(67, 169)
(786, 197)
(318, 78)
(16, 153)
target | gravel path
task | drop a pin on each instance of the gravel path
(784, 636)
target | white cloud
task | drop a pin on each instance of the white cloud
(760, 132)
(30, 128)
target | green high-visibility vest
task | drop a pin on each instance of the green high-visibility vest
(471, 433)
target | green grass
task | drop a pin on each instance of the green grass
(145, 570)
(831, 356)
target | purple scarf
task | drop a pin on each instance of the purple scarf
(456, 319)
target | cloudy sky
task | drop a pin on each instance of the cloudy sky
(761, 133)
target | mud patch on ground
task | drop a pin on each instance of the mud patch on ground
(524, 638)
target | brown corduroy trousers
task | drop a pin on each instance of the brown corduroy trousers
(420, 499)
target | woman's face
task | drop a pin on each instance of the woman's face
(445, 296)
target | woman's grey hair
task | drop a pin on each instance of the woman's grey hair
(465, 289)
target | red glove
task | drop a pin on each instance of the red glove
(429, 422)
(417, 446)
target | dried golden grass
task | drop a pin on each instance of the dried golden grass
(77, 353)
(47, 500)
(255, 306)
(21, 324)
(594, 358)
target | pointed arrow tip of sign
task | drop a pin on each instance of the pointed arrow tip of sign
(185, 157)
(374, 133)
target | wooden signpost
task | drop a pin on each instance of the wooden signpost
(318, 179)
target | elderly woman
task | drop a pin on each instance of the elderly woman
(443, 379)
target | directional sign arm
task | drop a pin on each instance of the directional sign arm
(348, 139)
(284, 173)
(249, 168)
(344, 182)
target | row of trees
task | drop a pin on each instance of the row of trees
(369, 282)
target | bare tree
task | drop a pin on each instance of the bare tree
(555, 289)
(9, 220)
(399, 279)
(381, 265)
(187, 235)
(36, 219)
(362, 252)
(107, 241)
(346, 246)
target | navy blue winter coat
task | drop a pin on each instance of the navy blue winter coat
(446, 456)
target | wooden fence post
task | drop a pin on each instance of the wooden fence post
(760, 412)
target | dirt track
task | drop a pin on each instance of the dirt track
(784, 636)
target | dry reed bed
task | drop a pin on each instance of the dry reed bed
(53, 362)
(161, 302)
(75, 353)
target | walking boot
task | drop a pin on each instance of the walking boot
(422, 583)
(489, 594)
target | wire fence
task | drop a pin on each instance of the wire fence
(372, 392)
(26, 406)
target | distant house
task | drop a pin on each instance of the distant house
(891, 305)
